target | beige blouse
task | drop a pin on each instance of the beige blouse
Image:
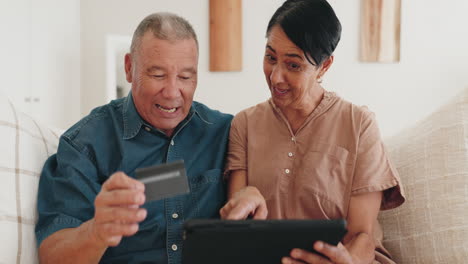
(312, 174)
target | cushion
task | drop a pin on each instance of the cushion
(25, 145)
(432, 159)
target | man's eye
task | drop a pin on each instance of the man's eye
(184, 77)
(158, 76)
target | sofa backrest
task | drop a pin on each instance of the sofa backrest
(432, 159)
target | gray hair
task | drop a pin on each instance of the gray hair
(165, 26)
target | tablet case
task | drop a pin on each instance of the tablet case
(211, 241)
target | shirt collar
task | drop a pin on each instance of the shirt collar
(132, 121)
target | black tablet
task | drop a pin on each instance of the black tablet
(211, 241)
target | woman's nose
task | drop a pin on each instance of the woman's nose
(276, 75)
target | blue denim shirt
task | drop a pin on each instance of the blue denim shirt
(114, 138)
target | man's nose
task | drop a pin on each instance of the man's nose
(171, 89)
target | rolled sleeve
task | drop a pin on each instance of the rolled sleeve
(67, 189)
(58, 223)
(374, 170)
(237, 151)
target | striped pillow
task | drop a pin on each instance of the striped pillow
(25, 145)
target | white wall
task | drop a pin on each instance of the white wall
(433, 66)
(40, 58)
(15, 50)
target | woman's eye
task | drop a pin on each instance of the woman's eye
(158, 76)
(184, 77)
(270, 58)
(294, 66)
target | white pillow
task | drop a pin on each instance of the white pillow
(432, 159)
(25, 146)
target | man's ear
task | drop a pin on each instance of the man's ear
(128, 67)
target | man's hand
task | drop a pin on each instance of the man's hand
(336, 255)
(247, 201)
(117, 211)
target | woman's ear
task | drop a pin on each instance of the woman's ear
(128, 67)
(325, 66)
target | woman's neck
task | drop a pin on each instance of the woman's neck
(297, 116)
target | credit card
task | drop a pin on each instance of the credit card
(164, 180)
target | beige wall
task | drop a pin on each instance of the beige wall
(433, 67)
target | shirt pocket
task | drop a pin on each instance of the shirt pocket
(208, 193)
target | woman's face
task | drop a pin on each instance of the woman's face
(290, 76)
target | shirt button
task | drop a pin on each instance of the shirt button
(175, 216)
(293, 139)
(290, 154)
(172, 142)
(148, 129)
(174, 247)
(287, 171)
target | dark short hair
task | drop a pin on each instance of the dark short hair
(310, 24)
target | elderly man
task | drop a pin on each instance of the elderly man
(91, 209)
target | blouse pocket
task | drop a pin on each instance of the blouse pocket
(326, 172)
(336, 153)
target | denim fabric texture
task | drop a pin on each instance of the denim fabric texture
(115, 138)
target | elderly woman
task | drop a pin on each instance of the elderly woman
(309, 153)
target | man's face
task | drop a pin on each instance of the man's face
(164, 77)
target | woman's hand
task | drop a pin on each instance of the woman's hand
(248, 201)
(336, 254)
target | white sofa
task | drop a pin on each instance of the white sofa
(25, 145)
(432, 158)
